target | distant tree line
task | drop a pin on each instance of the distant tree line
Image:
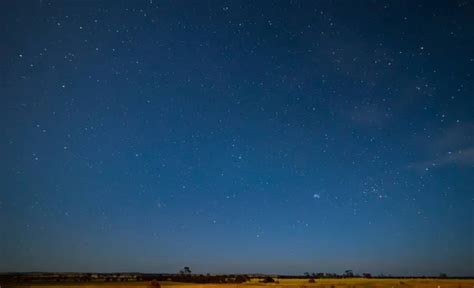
(184, 275)
(351, 274)
(198, 278)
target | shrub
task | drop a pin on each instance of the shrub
(240, 279)
(268, 279)
(154, 284)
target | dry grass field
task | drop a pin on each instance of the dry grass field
(283, 283)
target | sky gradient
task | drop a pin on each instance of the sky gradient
(237, 136)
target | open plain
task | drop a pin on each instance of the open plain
(282, 283)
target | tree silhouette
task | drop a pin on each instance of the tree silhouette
(348, 273)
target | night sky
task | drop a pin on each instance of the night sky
(237, 136)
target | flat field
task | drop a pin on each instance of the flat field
(283, 283)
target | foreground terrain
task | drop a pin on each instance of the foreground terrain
(282, 283)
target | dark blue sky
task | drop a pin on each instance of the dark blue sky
(237, 136)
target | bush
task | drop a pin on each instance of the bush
(154, 284)
(240, 279)
(268, 279)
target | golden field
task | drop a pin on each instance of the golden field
(283, 283)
